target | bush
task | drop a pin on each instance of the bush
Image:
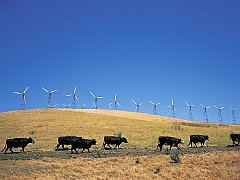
(157, 170)
(137, 161)
(175, 157)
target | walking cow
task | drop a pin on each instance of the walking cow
(16, 143)
(198, 138)
(235, 137)
(66, 140)
(114, 140)
(171, 141)
(82, 144)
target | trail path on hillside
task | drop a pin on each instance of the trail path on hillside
(101, 153)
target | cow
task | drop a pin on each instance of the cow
(82, 144)
(234, 137)
(113, 140)
(16, 143)
(171, 141)
(198, 138)
(66, 140)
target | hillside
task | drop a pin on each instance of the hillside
(141, 130)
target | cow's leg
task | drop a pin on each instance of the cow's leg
(177, 147)
(170, 147)
(233, 143)
(6, 150)
(82, 150)
(57, 147)
(76, 150)
(191, 144)
(88, 150)
(23, 149)
(63, 146)
(109, 146)
(160, 146)
(11, 149)
(104, 144)
(195, 144)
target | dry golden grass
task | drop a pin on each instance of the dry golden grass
(213, 165)
(141, 130)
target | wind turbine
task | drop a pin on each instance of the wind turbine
(95, 99)
(154, 106)
(173, 106)
(205, 115)
(23, 101)
(137, 105)
(219, 113)
(233, 115)
(49, 96)
(67, 106)
(115, 102)
(74, 97)
(190, 110)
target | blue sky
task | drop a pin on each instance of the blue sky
(157, 50)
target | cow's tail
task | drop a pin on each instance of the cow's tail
(4, 148)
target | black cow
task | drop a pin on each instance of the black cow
(82, 143)
(235, 137)
(113, 140)
(66, 140)
(171, 141)
(198, 138)
(17, 142)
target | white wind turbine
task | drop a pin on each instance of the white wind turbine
(95, 100)
(23, 100)
(173, 106)
(190, 110)
(110, 105)
(74, 97)
(115, 102)
(205, 115)
(233, 115)
(67, 105)
(219, 113)
(137, 105)
(49, 96)
(154, 106)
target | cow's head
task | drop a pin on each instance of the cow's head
(206, 137)
(124, 140)
(30, 140)
(94, 142)
(181, 141)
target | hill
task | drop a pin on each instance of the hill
(141, 130)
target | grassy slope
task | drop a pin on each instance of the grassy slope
(141, 130)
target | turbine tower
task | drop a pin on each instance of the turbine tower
(95, 100)
(233, 115)
(173, 106)
(115, 102)
(190, 116)
(205, 115)
(154, 106)
(75, 99)
(23, 100)
(137, 105)
(67, 106)
(220, 119)
(49, 96)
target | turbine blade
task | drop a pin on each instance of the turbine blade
(76, 98)
(168, 106)
(25, 90)
(134, 102)
(119, 104)
(172, 101)
(202, 105)
(92, 94)
(140, 104)
(45, 89)
(115, 97)
(186, 103)
(17, 93)
(75, 90)
(215, 106)
(68, 95)
(54, 91)
(151, 102)
(99, 97)
(157, 104)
